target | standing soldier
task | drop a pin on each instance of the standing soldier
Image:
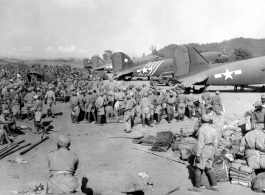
(99, 104)
(217, 107)
(16, 102)
(50, 98)
(100, 85)
(128, 113)
(75, 108)
(181, 101)
(158, 107)
(152, 99)
(190, 104)
(29, 103)
(37, 109)
(206, 97)
(263, 100)
(205, 150)
(258, 116)
(171, 102)
(81, 100)
(145, 109)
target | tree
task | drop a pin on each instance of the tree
(241, 54)
(153, 49)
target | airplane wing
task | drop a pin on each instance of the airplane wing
(128, 71)
(103, 66)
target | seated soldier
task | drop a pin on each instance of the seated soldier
(7, 121)
(3, 136)
(62, 165)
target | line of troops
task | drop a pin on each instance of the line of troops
(139, 104)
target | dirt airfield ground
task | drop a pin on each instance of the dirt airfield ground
(103, 159)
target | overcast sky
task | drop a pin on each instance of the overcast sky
(82, 28)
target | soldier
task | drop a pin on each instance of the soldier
(158, 107)
(258, 116)
(171, 102)
(62, 166)
(152, 99)
(50, 98)
(75, 108)
(6, 122)
(99, 104)
(109, 112)
(190, 104)
(181, 101)
(205, 150)
(37, 109)
(29, 103)
(217, 106)
(100, 85)
(81, 100)
(145, 109)
(16, 104)
(206, 97)
(128, 113)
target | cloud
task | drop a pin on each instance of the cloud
(27, 49)
(14, 49)
(61, 49)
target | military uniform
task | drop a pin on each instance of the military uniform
(75, 108)
(181, 101)
(29, 103)
(99, 104)
(62, 166)
(128, 114)
(145, 109)
(171, 101)
(50, 97)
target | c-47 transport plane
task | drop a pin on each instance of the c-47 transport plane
(125, 67)
(190, 68)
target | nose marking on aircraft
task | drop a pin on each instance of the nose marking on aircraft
(149, 69)
(228, 74)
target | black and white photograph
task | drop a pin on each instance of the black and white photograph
(132, 97)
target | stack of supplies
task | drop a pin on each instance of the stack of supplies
(241, 174)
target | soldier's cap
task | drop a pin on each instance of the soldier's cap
(206, 90)
(217, 92)
(206, 118)
(196, 99)
(181, 91)
(124, 88)
(263, 96)
(150, 92)
(258, 103)
(6, 112)
(35, 96)
(50, 87)
(128, 96)
(145, 94)
(131, 94)
(29, 89)
(111, 93)
(11, 80)
(101, 94)
(64, 141)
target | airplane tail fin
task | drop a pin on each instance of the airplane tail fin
(87, 62)
(96, 61)
(121, 61)
(187, 59)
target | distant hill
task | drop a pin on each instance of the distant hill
(255, 46)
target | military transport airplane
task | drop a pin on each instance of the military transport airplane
(215, 57)
(191, 68)
(125, 67)
(99, 64)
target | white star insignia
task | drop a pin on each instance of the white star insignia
(228, 74)
(144, 70)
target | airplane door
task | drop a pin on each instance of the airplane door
(181, 61)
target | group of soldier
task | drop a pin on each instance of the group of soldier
(134, 104)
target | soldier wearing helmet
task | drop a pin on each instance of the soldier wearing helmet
(181, 102)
